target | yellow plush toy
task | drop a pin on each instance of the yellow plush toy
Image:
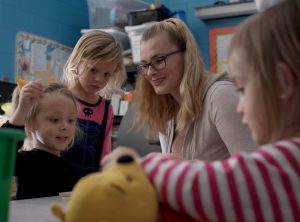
(119, 194)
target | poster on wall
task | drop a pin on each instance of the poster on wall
(39, 58)
(219, 39)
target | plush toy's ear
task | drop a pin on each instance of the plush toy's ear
(58, 212)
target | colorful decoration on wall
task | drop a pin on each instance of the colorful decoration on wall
(219, 40)
(39, 58)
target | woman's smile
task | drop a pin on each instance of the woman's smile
(157, 81)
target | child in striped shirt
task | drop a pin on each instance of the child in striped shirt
(264, 63)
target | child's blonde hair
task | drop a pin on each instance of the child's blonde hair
(264, 41)
(152, 110)
(95, 46)
(27, 145)
(52, 88)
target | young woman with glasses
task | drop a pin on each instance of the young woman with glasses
(193, 111)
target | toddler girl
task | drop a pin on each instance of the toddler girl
(94, 69)
(50, 124)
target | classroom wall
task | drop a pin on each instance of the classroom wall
(62, 20)
(59, 20)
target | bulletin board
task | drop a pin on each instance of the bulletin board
(219, 40)
(39, 58)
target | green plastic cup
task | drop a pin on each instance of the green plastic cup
(8, 142)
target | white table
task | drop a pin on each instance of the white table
(34, 210)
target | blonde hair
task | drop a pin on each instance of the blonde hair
(52, 88)
(27, 144)
(153, 111)
(264, 41)
(95, 46)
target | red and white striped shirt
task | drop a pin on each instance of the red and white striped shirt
(262, 186)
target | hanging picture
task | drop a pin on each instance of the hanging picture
(39, 58)
(219, 39)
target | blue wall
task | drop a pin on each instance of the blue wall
(62, 20)
(59, 20)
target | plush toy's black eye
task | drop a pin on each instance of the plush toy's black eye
(125, 159)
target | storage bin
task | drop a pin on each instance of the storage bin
(109, 13)
(142, 16)
(135, 34)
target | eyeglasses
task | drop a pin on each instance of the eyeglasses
(158, 63)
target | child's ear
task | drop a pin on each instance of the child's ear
(286, 80)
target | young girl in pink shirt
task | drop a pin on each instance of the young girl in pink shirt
(93, 70)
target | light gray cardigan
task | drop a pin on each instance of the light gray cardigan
(219, 131)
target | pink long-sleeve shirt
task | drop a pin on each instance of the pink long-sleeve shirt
(262, 186)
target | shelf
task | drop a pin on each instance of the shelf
(226, 10)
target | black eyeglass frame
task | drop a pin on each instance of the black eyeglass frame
(143, 68)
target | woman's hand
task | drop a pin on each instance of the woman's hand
(111, 158)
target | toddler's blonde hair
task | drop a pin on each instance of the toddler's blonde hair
(95, 46)
(264, 42)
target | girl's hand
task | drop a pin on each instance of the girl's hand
(28, 96)
(111, 158)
